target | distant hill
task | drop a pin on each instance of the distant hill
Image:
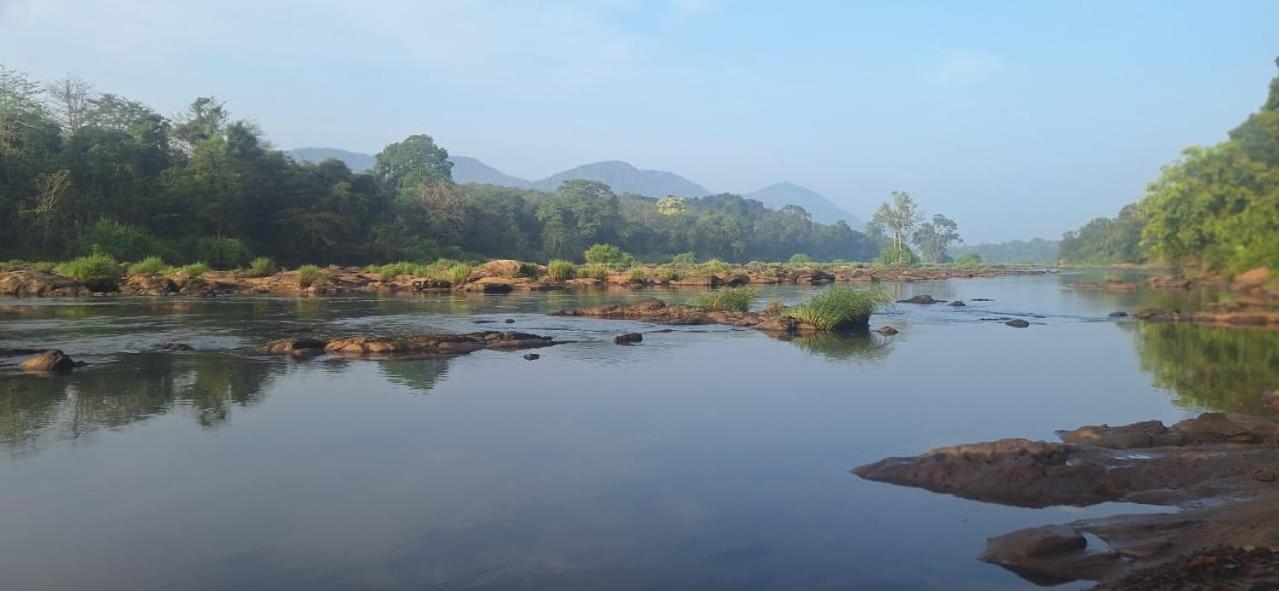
(822, 209)
(624, 178)
(356, 161)
(1037, 251)
(470, 170)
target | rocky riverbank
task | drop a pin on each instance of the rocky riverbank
(501, 276)
(658, 312)
(1221, 471)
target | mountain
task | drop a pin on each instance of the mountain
(356, 161)
(823, 211)
(624, 178)
(1037, 251)
(470, 170)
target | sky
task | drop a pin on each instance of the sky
(1017, 119)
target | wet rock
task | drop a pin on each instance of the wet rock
(924, 299)
(1017, 323)
(458, 344)
(957, 303)
(1118, 314)
(629, 338)
(429, 285)
(297, 346)
(51, 361)
(483, 321)
(659, 312)
(148, 285)
(532, 356)
(33, 283)
(698, 281)
(887, 330)
(509, 321)
(981, 300)
(1036, 541)
(491, 285)
(1143, 434)
(175, 347)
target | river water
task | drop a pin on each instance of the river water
(703, 458)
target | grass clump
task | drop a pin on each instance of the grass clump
(638, 275)
(839, 308)
(593, 271)
(194, 269)
(149, 266)
(560, 270)
(390, 271)
(98, 272)
(714, 267)
(457, 274)
(667, 273)
(262, 267)
(309, 275)
(736, 299)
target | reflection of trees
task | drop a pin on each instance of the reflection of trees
(138, 387)
(1225, 369)
(419, 374)
(859, 346)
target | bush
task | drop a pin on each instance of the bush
(263, 266)
(390, 271)
(560, 270)
(310, 275)
(800, 259)
(839, 308)
(667, 273)
(98, 272)
(194, 269)
(891, 256)
(714, 267)
(458, 274)
(608, 255)
(685, 259)
(638, 274)
(968, 260)
(736, 299)
(123, 242)
(149, 266)
(223, 253)
(593, 271)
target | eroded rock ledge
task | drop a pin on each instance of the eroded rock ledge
(408, 345)
(1219, 470)
(658, 312)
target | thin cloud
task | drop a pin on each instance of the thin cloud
(965, 67)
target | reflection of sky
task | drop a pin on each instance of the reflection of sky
(700, 460)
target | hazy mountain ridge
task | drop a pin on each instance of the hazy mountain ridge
(817, 205)
(1037, 250)
(356, 161)
(471, 170)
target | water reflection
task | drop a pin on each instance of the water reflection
(1214, 368)
(419, 374)
(857, 347)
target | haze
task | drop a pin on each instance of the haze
(1018, 120)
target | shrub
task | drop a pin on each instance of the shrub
(593, 271)
(638, 274)
(457, 274)
(310, 275)
(223, 253)
(149, 266)
(714, 267)
(98, 271)
(839, 308)
(263, 266)
(684, 259)
(667, 273)
(124, 242)
(608, 255)
(390, 271)
(560, 270)
(194, 269)
(736, 299)
(800, 259)
(968, 260)
(891, 256)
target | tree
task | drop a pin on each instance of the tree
(900, 217)
(934, 236)
(72, 100)
(411, 163)
(671, 205)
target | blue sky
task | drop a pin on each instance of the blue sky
(1018, 119)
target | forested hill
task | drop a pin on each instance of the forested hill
(1036, 251)
(1216, 209)
(83, 171)
(356, 161)
(471, 170)
(817, 205)
(624, 178)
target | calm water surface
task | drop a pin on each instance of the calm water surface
(705, 458)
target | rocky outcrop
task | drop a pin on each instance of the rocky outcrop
(1223, 314)
(923, 299)
(658, 312)
(1232, 460)
(33, 283)
(51, 361)
(409, 345)
(147, 285)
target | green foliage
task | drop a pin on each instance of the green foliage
(968, 260)
(1105, 241)
(898, 218)
(714, 267)
(684, 259)
(737, 299)
(310, 276)
(638, 274)
(667, 273)
(122, 241)
(934, 236)
(1037, 251)
(458, 274)
(800, 259)
(390, 271)
(149, 266)
(893, 255)
(223, 253)
(560, 270)
(194, 269)
(592, 271)
(839, 308)
(608, 255)
(98, 272)
(1209, 367)
(262, 267)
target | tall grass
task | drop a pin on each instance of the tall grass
(736, 299)
(98, 272)
(390, 271)
(560, 270)
(149, 266)
(593, 271)
(309, 275)
(457, 274)
(839, 308)
(194, 269)
(262, 267)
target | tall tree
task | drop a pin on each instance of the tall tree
(934, 236)
(900, 218)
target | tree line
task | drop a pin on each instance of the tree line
(1215, 210)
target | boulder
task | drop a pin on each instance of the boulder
(502, 268)
(698, 281)
(924, 299)
(1118, 314)
(33, 283)
(491, 285)
(629, 338)
(1250, 279)
(957, 303)
(1017, 323)
(532, 356)
(297, 346)
(148, 285)
(887, 331)
(53, 361)
(175, 347)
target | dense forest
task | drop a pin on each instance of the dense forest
(1216, 209)
(82, 171)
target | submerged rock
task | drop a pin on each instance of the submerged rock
(532, 356)
(175, 347)
(297, 346)
(887, 330)
(1118, 314)
(920, 299)
(52, 361)
(629, 338)
(957, 303)
(1017, 323)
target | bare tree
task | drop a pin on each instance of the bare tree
(72, 100)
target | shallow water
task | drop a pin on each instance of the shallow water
(704, 458)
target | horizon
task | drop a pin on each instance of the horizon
(1049, 115)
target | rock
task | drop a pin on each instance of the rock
(1252, 278)
(583, 282)
(1136, 435)
(509, 321)
(1118, 314)
(505, 268)
(698, 281)
(920, 299)
(532, 356)
(53, 361)
(148, 285)
(458, 344)
(491, 285)
(1035, 541)
(1017, 323)
(957, 303)
(33, 283)
(429, 285)
(298, 346)
(629, 338)
(887, 330)
(981, 300)
(1271, 399)
(175, 347)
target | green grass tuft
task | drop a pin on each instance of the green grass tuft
(593, 271)
(736, 299)
(560, 270)
(262, 267)
(194, 269)
(149, 266)
(839, 308)
(98, 272)
(310, 275)
(457, 274)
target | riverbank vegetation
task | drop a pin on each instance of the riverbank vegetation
(1214, 211)
(839, 308)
